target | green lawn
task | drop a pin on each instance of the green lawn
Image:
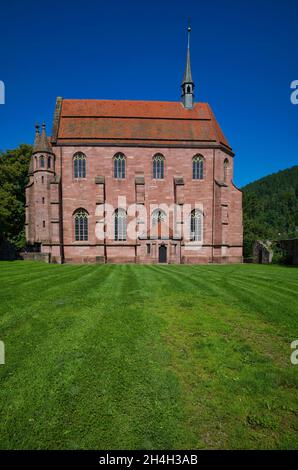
(142, 357)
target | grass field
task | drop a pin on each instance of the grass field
(146, 357)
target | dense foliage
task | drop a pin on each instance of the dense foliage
(13, 176)
(270, 208)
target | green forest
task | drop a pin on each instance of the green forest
(270, 204)
(270, 208)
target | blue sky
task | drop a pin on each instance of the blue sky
(244, 57)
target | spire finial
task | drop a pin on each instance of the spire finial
(188, 34)
(37, 137)
(187, 83)
(41, 143)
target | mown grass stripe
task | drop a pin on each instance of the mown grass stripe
(123, 356)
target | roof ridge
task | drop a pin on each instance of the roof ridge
(129, 121)
(131, 101)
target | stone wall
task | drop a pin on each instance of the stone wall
(31, 256)
(262, 252)
(52, 217)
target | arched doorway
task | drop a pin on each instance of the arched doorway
(162, 254)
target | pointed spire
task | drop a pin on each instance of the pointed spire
(37, 138)
(35, 148)
(187, 73)
(187, 83)
(44, 141)
(41, 143)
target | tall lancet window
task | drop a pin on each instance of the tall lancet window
(196, 225)
(79, 165)
(81, 225)
(41, 161)
(198, 167)
(120, 222)
(158, 215)
(158, 166)
(119, 166)
(225, 169)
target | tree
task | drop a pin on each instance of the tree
(14, 165)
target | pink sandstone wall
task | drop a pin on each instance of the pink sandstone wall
(221, 204)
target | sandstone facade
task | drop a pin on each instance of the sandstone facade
(71, 205)
(54, 194)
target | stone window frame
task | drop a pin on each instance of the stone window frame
(80, 170)
(158, 215)
(200, 172)
(120, 231)
(226, 166)
(155, 171)
(196, 225)
(119, 170)
(81, 231)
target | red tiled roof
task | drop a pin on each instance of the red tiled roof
(136, 122)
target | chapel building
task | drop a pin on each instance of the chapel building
(134, 182)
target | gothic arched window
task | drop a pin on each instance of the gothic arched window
(79, 165)
(158, 224)
(158, 216)
(41, 161)
(119, 166)
(198, 167)
(81, 225)
(120, 224)
(225, 169)
(196, 225)
(49, 162)
(158, 166)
